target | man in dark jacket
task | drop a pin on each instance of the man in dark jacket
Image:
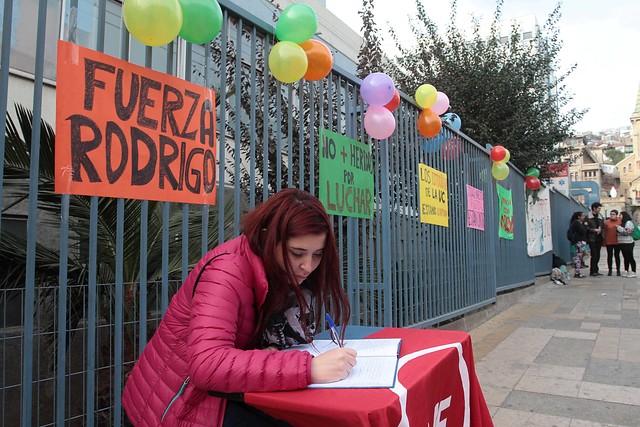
(595, 236)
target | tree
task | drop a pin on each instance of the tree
(615, 155)
(370, 55)
(506, 91)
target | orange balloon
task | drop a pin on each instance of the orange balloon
(429, 123)
(319, 58)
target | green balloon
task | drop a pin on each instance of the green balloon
(297, 23)
(201, 20)
(533, 172)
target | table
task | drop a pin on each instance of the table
(436, 386)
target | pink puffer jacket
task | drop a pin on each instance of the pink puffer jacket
(201, 344)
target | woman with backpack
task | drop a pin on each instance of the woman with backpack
(625, 241)
(578, 232)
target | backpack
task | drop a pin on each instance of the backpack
(636, 233)
(570, 235)
(557, 276)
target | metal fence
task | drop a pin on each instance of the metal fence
(69, 341)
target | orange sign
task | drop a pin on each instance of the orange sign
(127, 131)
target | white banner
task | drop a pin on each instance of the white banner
(538, 223)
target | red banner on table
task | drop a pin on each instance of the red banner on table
(436, 386)
(127, 131)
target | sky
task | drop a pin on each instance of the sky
(601, 37)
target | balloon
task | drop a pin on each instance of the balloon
(533, 172)
(452, 120)
(426, 96)
(153, 22)
(395, 101)
(507, 157)
(500, 171)
(201, 20)
(441, 105)
(532, 182)
(319, 58)
(297, 23)
(451, 149)
(433, 145)
(429, 124)
(498, 153)
(379, 122)
(287, 61)
(377, 89)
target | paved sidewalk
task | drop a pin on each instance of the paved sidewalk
(566, 356)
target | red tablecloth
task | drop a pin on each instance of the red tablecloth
(436, 386)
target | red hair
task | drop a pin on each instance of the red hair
(291, 213)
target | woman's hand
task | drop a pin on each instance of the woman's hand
(334, 365)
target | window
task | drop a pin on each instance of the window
(24, 20)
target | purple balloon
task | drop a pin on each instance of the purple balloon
(377, 89)
(379, 122)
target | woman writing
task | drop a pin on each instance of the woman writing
(579, 233)
(626, 244)
(247, 298)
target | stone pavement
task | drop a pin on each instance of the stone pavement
(566, 356)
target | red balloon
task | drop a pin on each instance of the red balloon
(429, 123)
(451, 149)
(395, 101)
(532, 182)
(498, 153)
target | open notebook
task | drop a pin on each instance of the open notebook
(377, 362)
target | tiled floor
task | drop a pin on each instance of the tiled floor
(564, 356)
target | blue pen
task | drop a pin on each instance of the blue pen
(332, 329)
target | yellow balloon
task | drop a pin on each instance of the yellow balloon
(507, 157)
(287, 61)
(499, 171)
(426, 96)
(153, 22)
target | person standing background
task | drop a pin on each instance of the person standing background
(611, 241)
(578, 242)
(626, 244)
(595, 237)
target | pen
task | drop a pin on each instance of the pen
(333, 331)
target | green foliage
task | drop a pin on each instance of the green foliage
(370, 56)
(507, 92)
(615, 156)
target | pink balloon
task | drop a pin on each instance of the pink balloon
(441, 105)
(379, 122)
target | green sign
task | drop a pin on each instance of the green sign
(346, 176)
(505, 210)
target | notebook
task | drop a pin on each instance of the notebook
(377, 362)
